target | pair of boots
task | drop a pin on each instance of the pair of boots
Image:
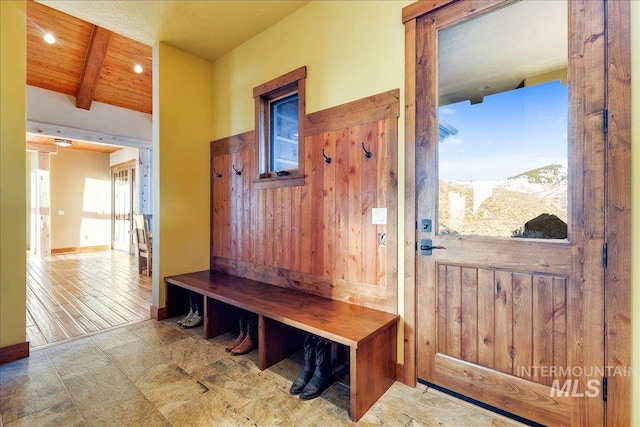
(247, 340)
(316, 375)
(191, 320)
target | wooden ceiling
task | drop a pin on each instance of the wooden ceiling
(88, 62)
(47, 143)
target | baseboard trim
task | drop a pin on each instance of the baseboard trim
(14, 352)
(80, 249)
(158, 313)
(400, 373)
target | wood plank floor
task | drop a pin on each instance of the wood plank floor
(71, 295)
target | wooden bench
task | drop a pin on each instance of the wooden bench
(369, 334)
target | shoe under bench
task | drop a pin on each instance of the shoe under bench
(282, 313)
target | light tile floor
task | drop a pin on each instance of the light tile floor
(157, 374)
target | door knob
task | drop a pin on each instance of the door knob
(429, 248)
(426, 247)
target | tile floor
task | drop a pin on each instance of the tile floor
(157, 374)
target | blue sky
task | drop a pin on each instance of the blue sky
(507, 134)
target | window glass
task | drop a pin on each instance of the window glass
(502, 122)
(283, 125)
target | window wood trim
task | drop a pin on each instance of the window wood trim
(279, 82)
(294, 81)
(419, 8)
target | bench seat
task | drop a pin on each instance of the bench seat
(370, 334)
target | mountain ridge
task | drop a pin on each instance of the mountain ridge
(549, 174)
(497, 208)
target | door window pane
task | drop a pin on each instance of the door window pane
(502, 113)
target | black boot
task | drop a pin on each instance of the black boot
(322, 376)
(309, 365)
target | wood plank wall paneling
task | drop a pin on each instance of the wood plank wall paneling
(319, 237)
(233, 144)
(367, 110)
(536, 337)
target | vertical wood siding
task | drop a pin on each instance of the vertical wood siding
(318, 237)
(503, 320)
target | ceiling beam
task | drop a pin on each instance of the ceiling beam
(31, 146)
(56, 131)
(93, 61)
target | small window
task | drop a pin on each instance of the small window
(283, 138)
(279, 134)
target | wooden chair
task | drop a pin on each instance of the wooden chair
(144, 244)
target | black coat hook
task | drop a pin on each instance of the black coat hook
(238, 172)
(218, 174)
(367, 154)
(326, 159)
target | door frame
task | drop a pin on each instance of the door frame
(617, 280)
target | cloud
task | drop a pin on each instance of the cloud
(452, 140)
(493, 168)
(446, 110)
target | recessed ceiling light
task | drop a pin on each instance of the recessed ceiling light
(138, 68)
(49, 38)
(62, 142)
(483, 88)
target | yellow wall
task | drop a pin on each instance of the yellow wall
(182, 121)
(351, 49)
(13, 199)
(80, 187)
(635, 209)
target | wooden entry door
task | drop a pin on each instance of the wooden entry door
(517, 323)
(122, 193)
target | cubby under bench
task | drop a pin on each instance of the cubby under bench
(283, 313)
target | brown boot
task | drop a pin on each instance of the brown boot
(236, 342)
(245, 347)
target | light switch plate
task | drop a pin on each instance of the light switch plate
(60, 212)
(379, 216)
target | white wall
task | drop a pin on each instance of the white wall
(123, 155)
(80, 199)
(55, 108)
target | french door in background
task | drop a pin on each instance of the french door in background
(122, 193)
(510, 205)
